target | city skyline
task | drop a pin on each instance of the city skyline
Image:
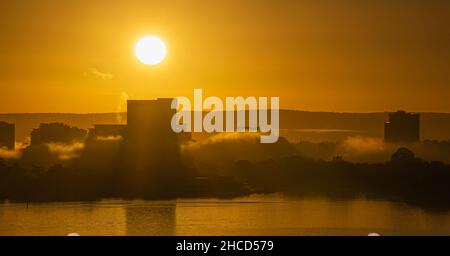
(224, 118)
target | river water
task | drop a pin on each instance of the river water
(254, 215)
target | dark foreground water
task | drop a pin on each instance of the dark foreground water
(255, 215)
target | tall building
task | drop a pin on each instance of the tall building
(7, 135)
(151, 148)
(150, 120)
(149, 126)
(402, 127)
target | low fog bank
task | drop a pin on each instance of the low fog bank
(218, 153)
(224, 149)
(360, 149)
(227, 165)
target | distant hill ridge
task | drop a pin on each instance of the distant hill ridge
(295, 124)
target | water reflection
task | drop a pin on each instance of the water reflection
(62, 219)
(151, 219)
(256, 215)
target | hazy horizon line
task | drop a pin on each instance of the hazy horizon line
(282, 109)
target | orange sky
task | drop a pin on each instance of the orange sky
(352, 56)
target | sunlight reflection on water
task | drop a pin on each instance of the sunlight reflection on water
(254, 215)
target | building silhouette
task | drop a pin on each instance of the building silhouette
(150, 119)
(151, 149)
(7, 135)
(402, 127)
(106, 131)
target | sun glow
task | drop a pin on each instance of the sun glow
(150, 50)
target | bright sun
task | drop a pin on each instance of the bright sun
(150, 50)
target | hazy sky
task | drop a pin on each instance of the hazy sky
(358, 56)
